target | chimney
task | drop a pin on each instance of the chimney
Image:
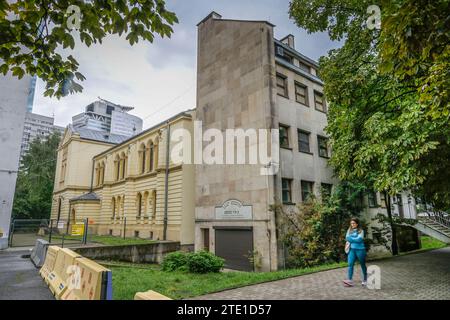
(289, 40)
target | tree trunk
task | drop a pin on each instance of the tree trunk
(394, 246)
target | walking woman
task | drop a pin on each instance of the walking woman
(357, 250)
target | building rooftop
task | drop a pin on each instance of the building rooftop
(99, 135)
(91, 196)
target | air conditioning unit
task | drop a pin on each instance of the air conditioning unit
(280, 51)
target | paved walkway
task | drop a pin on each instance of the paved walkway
(415, 276)
(19, 278)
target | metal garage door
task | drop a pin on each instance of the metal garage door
(234, 245)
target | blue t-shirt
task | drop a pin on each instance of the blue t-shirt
(356, 239)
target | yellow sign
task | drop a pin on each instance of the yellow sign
(77, 229)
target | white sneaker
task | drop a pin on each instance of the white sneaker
(364, 283)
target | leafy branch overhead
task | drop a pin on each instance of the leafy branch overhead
(34, 31)
(388, 92)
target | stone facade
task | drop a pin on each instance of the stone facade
(235, 77)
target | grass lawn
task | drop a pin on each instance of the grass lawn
(106, 240)
(431, 243)
(129, 279)
(115, 241)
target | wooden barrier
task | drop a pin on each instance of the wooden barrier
(49, 263)
(57, 279)
(150, 295)
(70, 276)
(87, 282)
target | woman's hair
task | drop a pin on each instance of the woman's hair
(356, 220)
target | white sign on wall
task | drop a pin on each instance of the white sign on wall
(233, 209)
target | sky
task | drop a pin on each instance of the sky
(159, 79)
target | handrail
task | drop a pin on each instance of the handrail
(442, 218)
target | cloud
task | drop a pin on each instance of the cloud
(159, 78)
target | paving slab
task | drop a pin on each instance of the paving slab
(19, 278)
(418, 276)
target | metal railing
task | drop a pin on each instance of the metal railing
(25, 232)
(439, 217)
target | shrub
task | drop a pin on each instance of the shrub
(175, 261)
(204, 262)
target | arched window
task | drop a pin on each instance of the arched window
(142, 157)
(117, 167)
(155, 155)
(139, 205)
(97, 175)
(102, 173)
(122, 165)
(145, 203)
(153, 204)
(113, 205)
(151, 156)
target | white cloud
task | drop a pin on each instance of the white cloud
(158, 78)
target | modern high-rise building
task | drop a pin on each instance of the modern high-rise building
(13, 106)
(36, 125)
(103, 115)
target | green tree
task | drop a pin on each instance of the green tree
(388, 92)
(314, 234)
(33, 32)
(34, 188)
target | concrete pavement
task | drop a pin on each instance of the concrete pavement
(419, 276)
(19, 278)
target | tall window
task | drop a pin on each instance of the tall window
(113, 205)
(372, 197)
(319, 101)
(117, 167)
(303, 141)
(284, 136)
(286, 190)
(301, 93)
(142, 152)
(102, 173)
(282, 85)
(154, 204)
(123, 166)
(307, 189)
(139, 205)
(97, 175)
(322, 142)
(151, 156)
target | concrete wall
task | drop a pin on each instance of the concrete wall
(13, 107)
(138, 253)
(235, 73)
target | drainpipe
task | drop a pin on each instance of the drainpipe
(166, 191)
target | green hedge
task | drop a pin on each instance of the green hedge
(195, 262)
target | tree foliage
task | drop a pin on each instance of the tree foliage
(34, 187)
(314, 233)
(388, 92)
(34, 31)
